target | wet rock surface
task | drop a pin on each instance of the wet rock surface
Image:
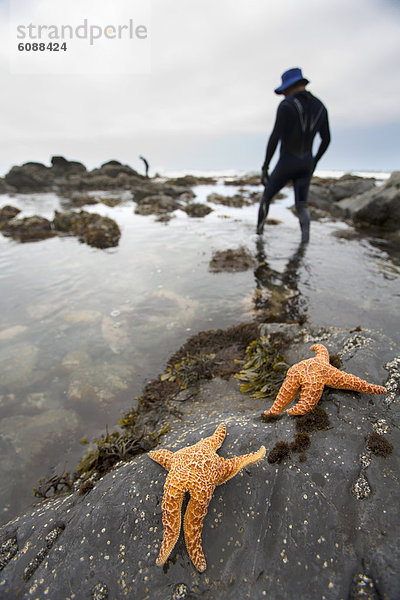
(29, 229)
(325, 194)
(381, 207)
(291, 529)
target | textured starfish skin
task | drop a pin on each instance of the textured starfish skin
(311, 376)
(198, 470)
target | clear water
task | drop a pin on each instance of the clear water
(82, 330)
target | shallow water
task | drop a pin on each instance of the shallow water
(82, 329)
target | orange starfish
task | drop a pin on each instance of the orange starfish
(312, 375)
(196, 469)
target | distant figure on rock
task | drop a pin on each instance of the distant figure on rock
(146, 165)
(299, 118)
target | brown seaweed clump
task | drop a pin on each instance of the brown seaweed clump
(278, 453)
(300, 443)
(315, 419)
(227, 345)
(379, 445)
(197, 209)
(57, 484)
(270, 418)
(231, 260)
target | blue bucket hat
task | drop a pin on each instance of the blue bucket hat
(289, 78)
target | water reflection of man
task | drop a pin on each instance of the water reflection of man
(299, 118)
(279, 291)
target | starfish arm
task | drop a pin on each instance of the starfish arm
(231, 466)
(171, 508)
(286, 395)
(193, 526)
(309, 397)
(345, 381)
(163, 457)
(321, 352)
(218, 437)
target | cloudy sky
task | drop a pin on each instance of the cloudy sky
(206, 100)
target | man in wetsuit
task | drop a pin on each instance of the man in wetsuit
(299, 118)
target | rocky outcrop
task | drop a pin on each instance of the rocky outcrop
(325, 194)
(30, 177)
(66, 176)
(5, 188)
(379, 207)
(320, 523)
(62, 167)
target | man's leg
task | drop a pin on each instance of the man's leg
(277, 180)
(301, 197)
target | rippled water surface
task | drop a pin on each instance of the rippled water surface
(82, 329)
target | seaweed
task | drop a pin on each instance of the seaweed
(190, 370)
(228, 346)
(278, 453)
(114, 447)
(335, 360)
(231, 260)
(57, 484)
(265, 368)
(300, 443)
(379, 445)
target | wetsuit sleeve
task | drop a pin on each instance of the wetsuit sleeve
(325, 134)
(274, 137)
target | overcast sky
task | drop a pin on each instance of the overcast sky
(207, 101)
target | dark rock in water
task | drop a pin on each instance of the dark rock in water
(29, 229)
(237, 201)
(91, 228)
(249, 179)
(197, 209)
(232, 260)
(80, 199)
(148, 188)
(7, 213)
(157, 204)
(289, 530)
(381, 206)
(191, 180)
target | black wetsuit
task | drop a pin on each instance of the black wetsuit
(299, 118)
